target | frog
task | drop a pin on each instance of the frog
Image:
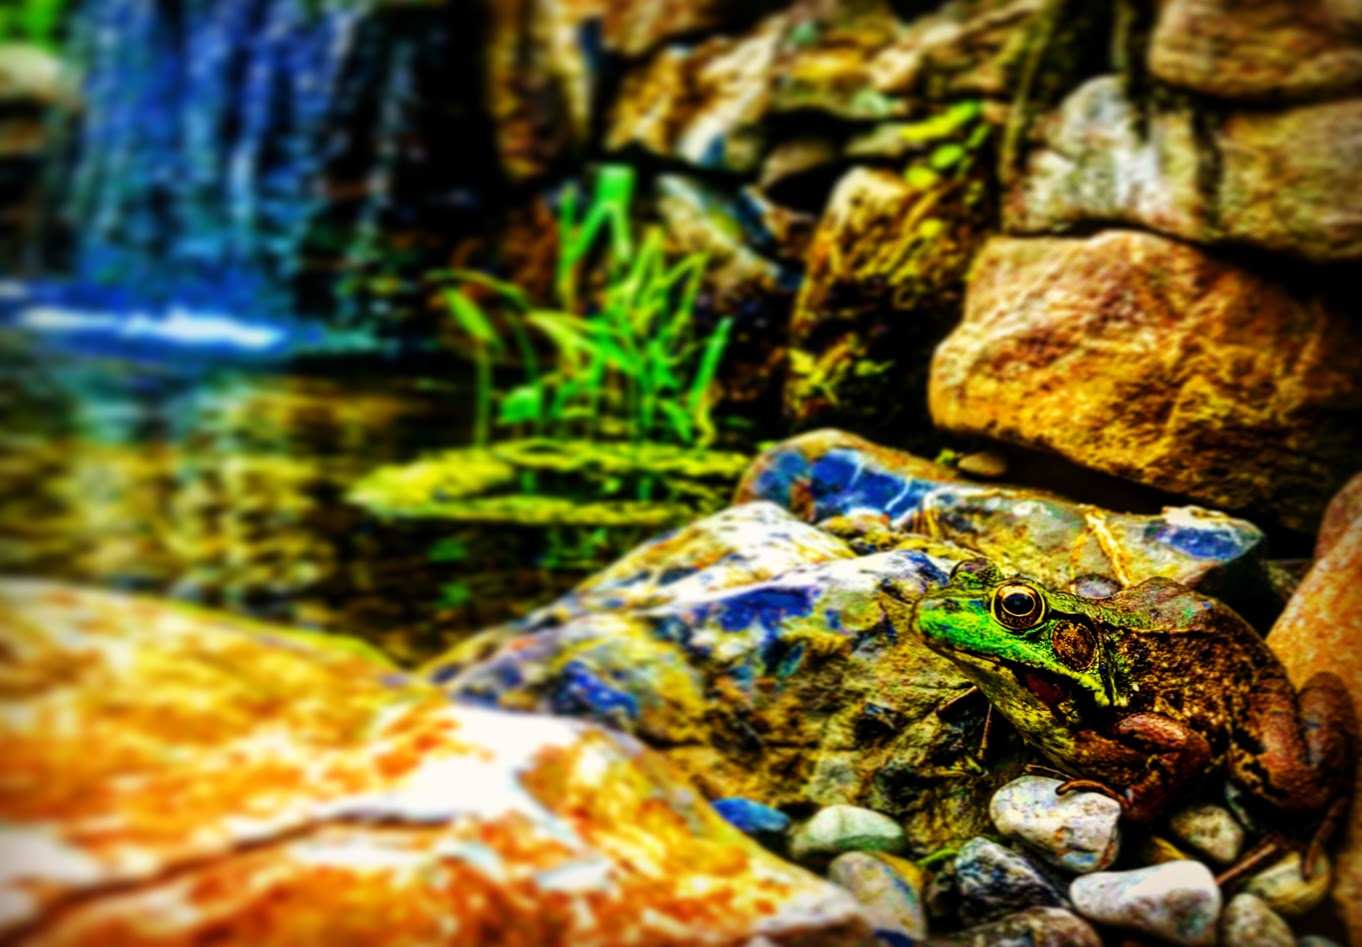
(1142, 692)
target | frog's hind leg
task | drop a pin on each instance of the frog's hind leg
(1296, 751)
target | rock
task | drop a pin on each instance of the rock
(702, 105)
(1275, 179)
(541, 82)
(746, 815)
(1319, 631)
(1148, 359)
(1210, 830)
(826, 474)
(862, 61)
(884, 281)
(1178, 901)
(994, 881)
(889, 891)
(1312, 940)
(245, 784)
(743, 544)
(1287, 892)
(1268, 50)
(1034, 927)
(1342, 517)
(836, 829)
(1077, 831)
(744, 279)
(804, 688)
(1249, 922)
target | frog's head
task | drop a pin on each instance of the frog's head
(1015, 638)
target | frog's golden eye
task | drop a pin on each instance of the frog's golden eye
(1018, 606)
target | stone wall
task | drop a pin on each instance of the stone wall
(1132, 224)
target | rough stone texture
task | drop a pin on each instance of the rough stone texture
(172, 776)
(1342, 517)
(702, 105)
(1034, 927)
(805, 688)
(1149, 359)
(1319, 631)
(1210, 830)
(1077, 831)
(889, 891)
(884, 281)
(863, 61)
(995, 881)
(1283, 180)
(836, 479)
(834, 830)
(1249, 922)
(1177, 902)
(1266, 49)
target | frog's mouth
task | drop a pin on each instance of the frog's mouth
(1049, 687)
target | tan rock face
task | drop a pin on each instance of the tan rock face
(1149, 359)
(1320, 631)
(1266, 49)
(171, 776)
(1284, 180)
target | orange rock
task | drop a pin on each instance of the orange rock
(1321, 630)
(171, 776)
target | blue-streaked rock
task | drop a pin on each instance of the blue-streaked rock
(826, 474)
(1178, 901)
(994, 881)
(1077, 831)
(805, 688)
(889, 891)
(1034, 927)
(752, 817)
(751, 542)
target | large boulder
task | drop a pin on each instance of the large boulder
(827, 476)
(1152, 360)
(1319, 631)
(172, 776)
(1284, 180)
(1267, 49)
(803, 689)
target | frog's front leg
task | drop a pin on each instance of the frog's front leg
(1152, 757)
(1296, 751)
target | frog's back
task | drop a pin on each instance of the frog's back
(1186, 655)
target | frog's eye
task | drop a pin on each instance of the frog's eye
(1018, 606)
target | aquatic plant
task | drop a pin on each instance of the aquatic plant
(32, 21)
(628, 361)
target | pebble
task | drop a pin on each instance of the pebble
(1177, 901)
(1077, 832)
(1285, 891)
(836, 829)
(994, 881)
(1211, 830)
(889, 891)
(1249, 922)
(1034, 927)
(1314, 940)
(754, 818)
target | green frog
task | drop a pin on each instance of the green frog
(1143, 692)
